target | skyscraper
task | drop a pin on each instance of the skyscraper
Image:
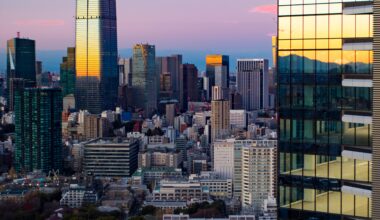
(253, 83)
(96, 55)
(38, 131)
(220, 115)
(67, 72)
(170, 67)
(21, 65)
(217, 72)
(144, 77)
(325, 93)
(188, 84)
(125, 71)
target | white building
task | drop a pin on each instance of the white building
(77, 196)
(253, 83)
(223, 158)
(220, 188)
(238, 118)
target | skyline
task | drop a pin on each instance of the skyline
(233, 31)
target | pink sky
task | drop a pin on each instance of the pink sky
(169, 24)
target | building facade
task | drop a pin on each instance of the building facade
(220, 118)
(21, 66)
(325, 109)
(188, 85)
(67, 73)
(217, 73)
(96, 55)
(110, 158)
(253, 83)
(144, 77)
(38, 128)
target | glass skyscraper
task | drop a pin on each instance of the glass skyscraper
(217, 72)
(144, 78)
(38, 129)
(325, 109)
(96, 55)
(21, 65)
(67, 73)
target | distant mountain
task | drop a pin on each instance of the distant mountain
(52, 58)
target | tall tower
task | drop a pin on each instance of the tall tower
(217, 72)
(21, 66)
(38, 120)
(327, 135)
(67, 73)
(96, 55)
(188, 84)
(253, 83)
(144, 77)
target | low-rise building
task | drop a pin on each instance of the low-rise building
(76, 196)
(180, 191)
(220, 188)
(153, 175)
(187, 217)
(160, 157)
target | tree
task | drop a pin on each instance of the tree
(149, 210)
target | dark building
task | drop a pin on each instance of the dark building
(188, 85)
(327, 132)
(236, 100)
(169, 68)
(217, 72)
(144, 78)
(97, 75)
(21, 64)
(67, 73)
(38, 129)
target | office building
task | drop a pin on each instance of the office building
(187, 217)
(169, 68)
(21, 66)
(376, 111)
(238, 119)
(253, 83)
(125, 71)
(325, 92)
(38, 130)
(170, 113)
(67, 73)
(110, 158)
(96, 55)
(160, 157)
(188, 85)
(220, 188)
(217, 73)
(144, 77)
(77, 196)
(220, 119)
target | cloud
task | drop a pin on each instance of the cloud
(40, 22)
(264, 9)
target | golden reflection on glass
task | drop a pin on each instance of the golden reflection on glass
(362, 26)
(348, 26)
(309, 44)
(322, 26)
(371, 26)
(348, 204)
(335, 26)
(309, 27)
(297, 27)
(323, 44)
(284, 28)
(284, 44)
(297, 44)
(335, 43)
(334, 202)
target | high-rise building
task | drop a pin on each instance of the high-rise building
(144, 77)
(125, 71)
(170, 67)
(188, 84)
(220, 117)
(67, 73)
(96, 55)
(21, 65)
(217, 72)
(325, 90)
(253, 83)
(38, 130)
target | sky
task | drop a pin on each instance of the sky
(194, 28)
